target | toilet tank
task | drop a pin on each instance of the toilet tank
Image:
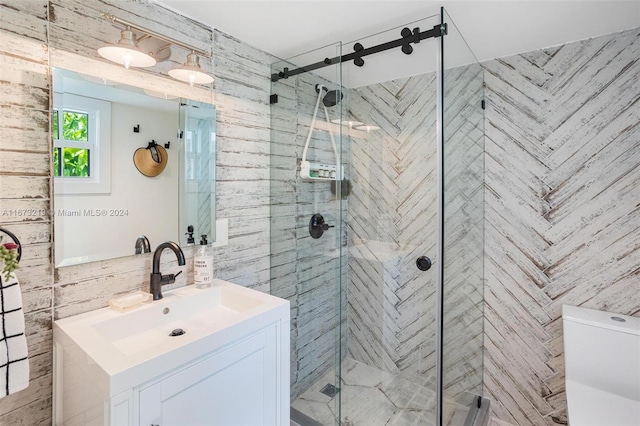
(602, 350)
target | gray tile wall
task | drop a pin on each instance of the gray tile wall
(561, 211)
(241, 97)
(391, 221)
(306, 271)
(562, 217)
(464, 239)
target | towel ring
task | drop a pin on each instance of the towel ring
(15, 240)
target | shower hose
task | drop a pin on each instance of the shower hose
(305, 164)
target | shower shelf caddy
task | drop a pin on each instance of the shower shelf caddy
(315, 170)
(318, 171)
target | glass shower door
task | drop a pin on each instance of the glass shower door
(463, 233)
(351, 251)
(388, 373)
(307, 231)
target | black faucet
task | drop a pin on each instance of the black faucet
(157, 279)
(142, 245)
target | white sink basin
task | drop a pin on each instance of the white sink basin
(189, 309)
(135, 346)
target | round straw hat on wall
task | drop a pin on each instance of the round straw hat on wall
(150, 161)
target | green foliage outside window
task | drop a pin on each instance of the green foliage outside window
(75, 126)
(55, 125)
(75, 161)
(56, 161)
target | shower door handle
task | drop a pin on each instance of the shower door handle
(317, 226)
(423, 263)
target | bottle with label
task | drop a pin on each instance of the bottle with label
(203, 265)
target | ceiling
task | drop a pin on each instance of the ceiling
(492, 29)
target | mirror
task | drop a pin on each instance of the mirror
(198, 119)
(127, 162)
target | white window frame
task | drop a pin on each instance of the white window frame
(99, 144)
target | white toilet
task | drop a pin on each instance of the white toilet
(602, 367)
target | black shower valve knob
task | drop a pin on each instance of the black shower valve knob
(423, 263)
(317, 226)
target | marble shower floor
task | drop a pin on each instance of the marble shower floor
(370, 397)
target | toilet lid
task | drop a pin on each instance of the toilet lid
(588, 406)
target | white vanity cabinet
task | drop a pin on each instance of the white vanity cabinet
(236, 386)
(232, 370)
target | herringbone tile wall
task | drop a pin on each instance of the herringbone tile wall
(562, 215)
(304, 270)
(391, 221)
(463, 240)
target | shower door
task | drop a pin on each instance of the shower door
(383, 332)
(389, 371)
(463, 230)
(307, 232)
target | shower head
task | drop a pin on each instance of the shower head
(332, 98)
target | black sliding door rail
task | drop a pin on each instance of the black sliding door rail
(408, 37)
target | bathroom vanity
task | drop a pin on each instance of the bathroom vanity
(216, 356)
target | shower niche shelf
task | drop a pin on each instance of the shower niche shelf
(318, 171)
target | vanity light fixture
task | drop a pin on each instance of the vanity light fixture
(128, 53)
(191, 72)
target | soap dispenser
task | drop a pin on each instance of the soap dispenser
(203, 265)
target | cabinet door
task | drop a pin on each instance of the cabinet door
(236, 386)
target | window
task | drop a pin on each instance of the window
(81, 129)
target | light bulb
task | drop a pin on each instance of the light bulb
(126, 59)
(192, 78)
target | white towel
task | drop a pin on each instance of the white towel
(14, 363)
